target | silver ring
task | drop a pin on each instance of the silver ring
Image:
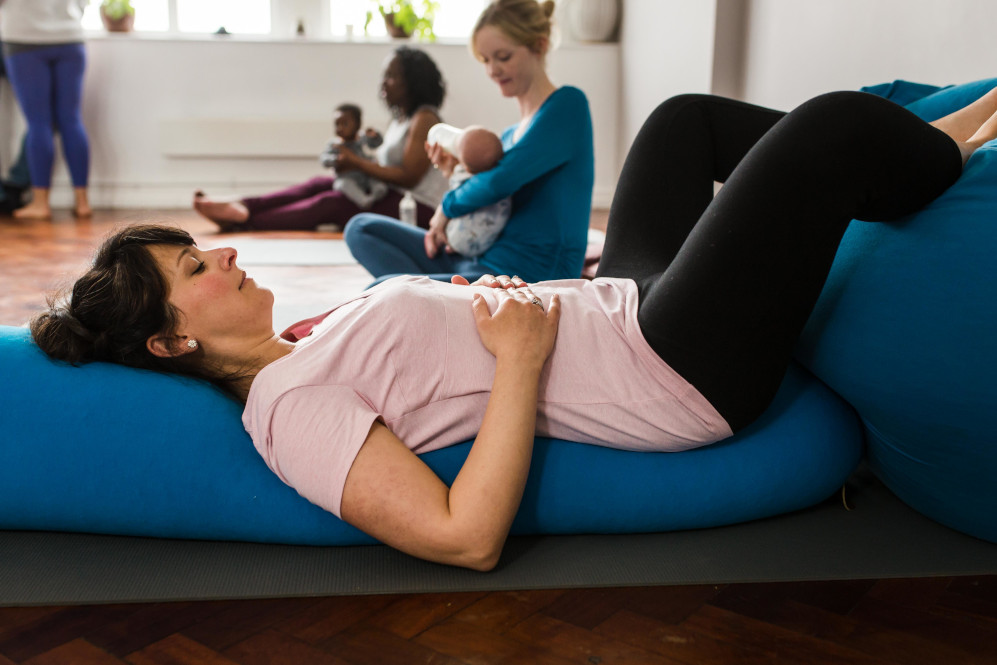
(539, 303)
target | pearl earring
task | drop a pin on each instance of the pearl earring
(191, 343)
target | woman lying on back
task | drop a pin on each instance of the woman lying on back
(682, 339)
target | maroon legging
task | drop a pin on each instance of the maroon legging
(305, 206)
(727, 283)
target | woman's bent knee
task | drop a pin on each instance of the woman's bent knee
(357, 227)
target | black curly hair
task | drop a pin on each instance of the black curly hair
(424, 83)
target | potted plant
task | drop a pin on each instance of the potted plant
(117, 15)
(403, 18)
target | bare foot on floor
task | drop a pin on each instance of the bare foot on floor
(228, 215)
(33, 211)
(81, 209)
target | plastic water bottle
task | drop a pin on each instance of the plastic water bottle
(406, 209)
(445, 136)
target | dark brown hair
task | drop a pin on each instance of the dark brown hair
(118, 304)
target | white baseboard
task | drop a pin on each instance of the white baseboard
(155, 195)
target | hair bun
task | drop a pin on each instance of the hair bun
(61, 335)
(66, 318)
(548, 8)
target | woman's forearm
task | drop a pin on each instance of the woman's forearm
(393, 175)
(486, 494)
(392, 495)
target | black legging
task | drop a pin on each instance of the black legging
(727, 283)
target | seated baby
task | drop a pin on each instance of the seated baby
(358, 187)
(476, 150)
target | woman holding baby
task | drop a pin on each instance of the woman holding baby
(547, 168)
(413, 89)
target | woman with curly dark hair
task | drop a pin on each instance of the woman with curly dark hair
(413, 89)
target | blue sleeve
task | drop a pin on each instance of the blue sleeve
(550, 141)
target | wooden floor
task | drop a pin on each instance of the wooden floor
(909, 621)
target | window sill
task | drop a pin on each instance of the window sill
(449, 42)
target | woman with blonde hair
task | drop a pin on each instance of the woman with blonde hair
(547, 169)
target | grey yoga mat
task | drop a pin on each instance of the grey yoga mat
(879, 538)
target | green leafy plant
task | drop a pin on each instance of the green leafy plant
(117, 9)
(410, 16)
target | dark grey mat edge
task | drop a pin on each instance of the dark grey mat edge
(879, 538)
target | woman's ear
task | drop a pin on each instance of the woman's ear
(167, 346)
(541, 46)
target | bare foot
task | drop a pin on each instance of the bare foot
(81, 210)
(34, 211)
(228, 215)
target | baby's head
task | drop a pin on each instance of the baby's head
(478, 149)
(346, 121)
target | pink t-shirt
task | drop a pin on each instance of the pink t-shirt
(408, 352)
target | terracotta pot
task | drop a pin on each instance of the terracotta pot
(123, 24)
(395, 31)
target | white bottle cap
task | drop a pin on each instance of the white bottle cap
(445, 136)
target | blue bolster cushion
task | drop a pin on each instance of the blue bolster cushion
(906, 331)
(107, 449)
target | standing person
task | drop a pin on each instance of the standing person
(547, 169)
(682, 339)
(18, 178)
(45, 58)
(413, 89)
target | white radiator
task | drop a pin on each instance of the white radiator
(243, 137)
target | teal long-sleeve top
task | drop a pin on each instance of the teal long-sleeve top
(549, 173)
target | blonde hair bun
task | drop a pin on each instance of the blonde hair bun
(526, 22)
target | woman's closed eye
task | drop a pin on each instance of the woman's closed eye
(199, 268)
(500, 57)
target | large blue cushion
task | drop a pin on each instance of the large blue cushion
(906, 331)
(106, 449)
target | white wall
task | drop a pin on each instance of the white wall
(666, 49)
(796, 49)
(782, 52)
(135, 85)
(772, 52)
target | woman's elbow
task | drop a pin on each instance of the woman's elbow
(481, 560)
(478, 551)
